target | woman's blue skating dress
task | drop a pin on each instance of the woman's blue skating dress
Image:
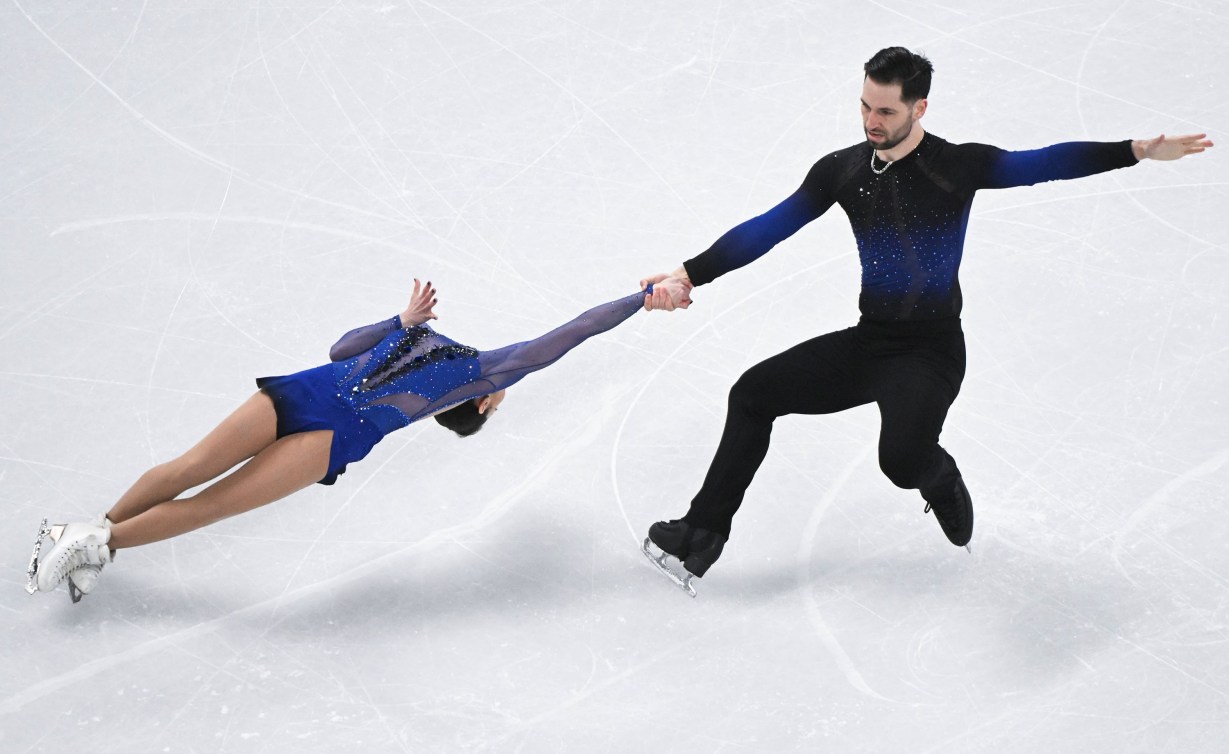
(384, 377)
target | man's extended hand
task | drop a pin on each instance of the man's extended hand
(670, 291)
(1169, 147)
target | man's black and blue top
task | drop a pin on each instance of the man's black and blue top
(909, 218)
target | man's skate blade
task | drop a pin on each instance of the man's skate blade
(659, 562)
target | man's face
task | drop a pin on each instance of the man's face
(887, 119)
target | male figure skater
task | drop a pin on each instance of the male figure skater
(907, 194)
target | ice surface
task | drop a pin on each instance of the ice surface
(192, 195)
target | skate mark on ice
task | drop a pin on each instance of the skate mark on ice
(123, 102)
(1155, 500)
(579, 101)
(583, 435)
(1142, 649)
(1039, 71)
(648, 664)
(459, 213)
(262, 53)
(325, 154)
(323, 530)
(166, 328)
(63, 297)
(802, 579)
(196, 153)
(435, 260)
(1079, 197)
(1023, 476)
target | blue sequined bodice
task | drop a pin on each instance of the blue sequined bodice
(408, 367)
(393, 375)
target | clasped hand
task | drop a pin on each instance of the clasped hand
(670, 291)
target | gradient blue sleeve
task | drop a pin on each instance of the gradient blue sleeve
(998, 168)
(362, 338)
(752, 239)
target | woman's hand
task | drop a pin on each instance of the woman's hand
(422, 301)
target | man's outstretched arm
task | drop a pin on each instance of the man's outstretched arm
(996, 168)
(747, 241)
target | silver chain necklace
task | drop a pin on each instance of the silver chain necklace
(886, 164)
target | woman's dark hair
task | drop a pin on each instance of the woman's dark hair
(463, 418)
(896, 65)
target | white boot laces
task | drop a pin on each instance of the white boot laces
(81, 555)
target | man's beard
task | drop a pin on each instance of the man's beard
(890, 140)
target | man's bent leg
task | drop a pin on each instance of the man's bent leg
(820, 376)
(913, 404)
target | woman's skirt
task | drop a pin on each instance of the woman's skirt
(310, 400)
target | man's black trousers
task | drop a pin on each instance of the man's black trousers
(912, 370)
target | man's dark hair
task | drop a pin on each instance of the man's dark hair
(463, 418)
(896, 65)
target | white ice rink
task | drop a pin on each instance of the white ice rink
(196, 194)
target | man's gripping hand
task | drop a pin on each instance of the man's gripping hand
(670, 291)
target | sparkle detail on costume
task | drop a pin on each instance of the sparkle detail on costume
(407, 370)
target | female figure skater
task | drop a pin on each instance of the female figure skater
(306, 427)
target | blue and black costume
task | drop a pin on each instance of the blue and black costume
(906, 353)
(385, 376)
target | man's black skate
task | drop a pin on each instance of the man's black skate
(954, 509)
(695, 548)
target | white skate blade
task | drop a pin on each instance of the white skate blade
(659, 562)
(32, 570)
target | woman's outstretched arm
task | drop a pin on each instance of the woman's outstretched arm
(503, 367)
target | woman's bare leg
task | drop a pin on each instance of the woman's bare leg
(287, 465)
(248, 430)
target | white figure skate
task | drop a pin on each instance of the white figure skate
(85, 577)
(76, 546)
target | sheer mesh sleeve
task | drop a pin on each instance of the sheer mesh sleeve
(506, 366)
(363, 338)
